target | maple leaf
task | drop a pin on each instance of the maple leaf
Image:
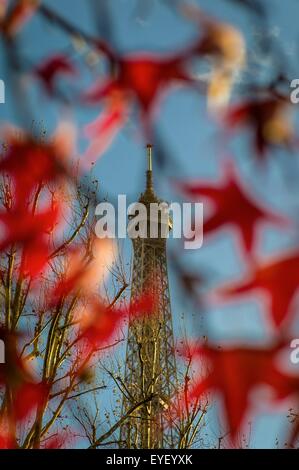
(58, 441)
(143, 78)
(232, 207)
(268, 117)
(278, 278)
(15, 374)
(99, 325)
(30, 162)
(103, 130)
(51, 68)
(28, 397)
(7, 440)
(31, 232)
(84, 270)
(235, 372)
(102, 321)
(140, 79)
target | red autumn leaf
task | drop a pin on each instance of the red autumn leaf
(58, 441)
(34, 257)
(30, 163)
(140, 79)
(104, 322)
(232, 207)
(277, 278)
(51, 68)
(235, 372)
(102, 131)
(14, 373)
(289, 387)
(269, 119)
(31, 232)
(143, 306)
(21, 226)
(6, 439)
(143, 77)
(28, 397)
(85, 270)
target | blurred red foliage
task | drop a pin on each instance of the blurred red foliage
(26, 394)
(278, 278)
(53, 67)
(232, 206)
(268, 119)
(235, 372)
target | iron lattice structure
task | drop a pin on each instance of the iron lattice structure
(150, 374)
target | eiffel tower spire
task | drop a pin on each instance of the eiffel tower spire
(149, 173)
(150, 370)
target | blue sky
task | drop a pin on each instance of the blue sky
(191, 138)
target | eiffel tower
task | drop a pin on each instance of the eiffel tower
(150, 372)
